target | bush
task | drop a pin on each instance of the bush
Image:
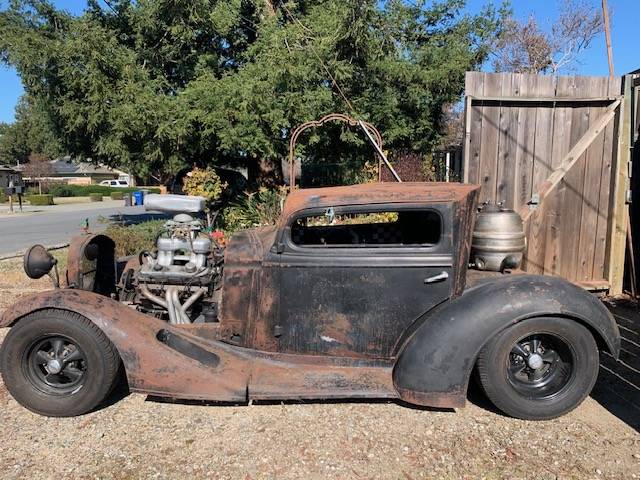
(3, 197)
(131, 240)
(254, 210)
(61, 191)
(40, 199)
(117, 195)
(96, 197)
(205, 183)
(86, 190)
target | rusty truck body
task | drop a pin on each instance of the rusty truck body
(356, 292)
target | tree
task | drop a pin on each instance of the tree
(38, 168)
(156, 86)
(32, 133)
(526, 48)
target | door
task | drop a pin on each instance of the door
(353, 279)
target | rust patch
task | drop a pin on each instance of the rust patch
(154, 368)
(91, 264)
(382, 192)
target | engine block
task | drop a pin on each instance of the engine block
(181, 256)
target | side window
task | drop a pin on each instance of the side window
(373, 229)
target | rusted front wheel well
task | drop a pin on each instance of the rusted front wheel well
(56, 309)
(26, 315)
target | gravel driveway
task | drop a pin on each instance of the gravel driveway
(138, 437)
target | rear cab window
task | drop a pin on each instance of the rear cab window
(341, 228)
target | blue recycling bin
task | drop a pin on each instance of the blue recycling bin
(138, 197)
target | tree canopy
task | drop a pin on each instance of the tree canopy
(158, 85)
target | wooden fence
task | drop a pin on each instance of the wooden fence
(548, 147)
(632, 90)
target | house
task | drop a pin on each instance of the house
(7, 175)
(67, 170)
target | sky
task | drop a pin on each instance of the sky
(624, 25)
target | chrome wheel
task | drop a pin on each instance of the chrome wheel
(55, 365)
(540, 366)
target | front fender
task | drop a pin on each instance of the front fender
(435, 362)
(178, 361)
(151, 366)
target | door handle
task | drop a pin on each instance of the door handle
(437, 278)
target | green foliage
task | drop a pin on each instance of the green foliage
(203, 182)
(3, 197)
(63, 190)
(116, 195)
(40, 199)
(254, 210)
(155, 86)
(131, 240)
(95, 197)
(33, 132)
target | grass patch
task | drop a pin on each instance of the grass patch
(132, 239)
(40, 199)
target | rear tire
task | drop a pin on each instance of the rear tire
(58, 363)
(540, 368)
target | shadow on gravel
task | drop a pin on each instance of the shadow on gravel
(618, 385)
(119, 392)
(338, 401)
(476, 395)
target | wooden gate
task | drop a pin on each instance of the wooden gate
(548, 147)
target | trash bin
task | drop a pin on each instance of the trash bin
(138, 197)
(127, 199)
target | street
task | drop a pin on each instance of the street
(52, 225)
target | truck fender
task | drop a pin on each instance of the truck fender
(151, 363)
(436, 360)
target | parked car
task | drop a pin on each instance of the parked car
(115, 183)
(357, 292)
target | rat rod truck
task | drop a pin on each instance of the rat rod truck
(357, 292)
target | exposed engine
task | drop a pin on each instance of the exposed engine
(178, 281)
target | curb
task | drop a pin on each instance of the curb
(7, 256)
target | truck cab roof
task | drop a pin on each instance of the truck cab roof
(376, 193)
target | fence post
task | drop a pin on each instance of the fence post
(618, 227)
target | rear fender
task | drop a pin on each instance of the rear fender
(434, 364)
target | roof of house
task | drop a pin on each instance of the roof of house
(372, 193)
(7, 169)
(67, 167)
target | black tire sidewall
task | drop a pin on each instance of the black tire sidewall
(493, 361)
(98, 376)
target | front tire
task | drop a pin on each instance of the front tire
(540, 368)
(58, 363)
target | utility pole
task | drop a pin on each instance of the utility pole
(607, 35)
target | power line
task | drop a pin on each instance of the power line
(333, 80)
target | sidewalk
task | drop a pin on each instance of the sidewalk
(58, 208)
